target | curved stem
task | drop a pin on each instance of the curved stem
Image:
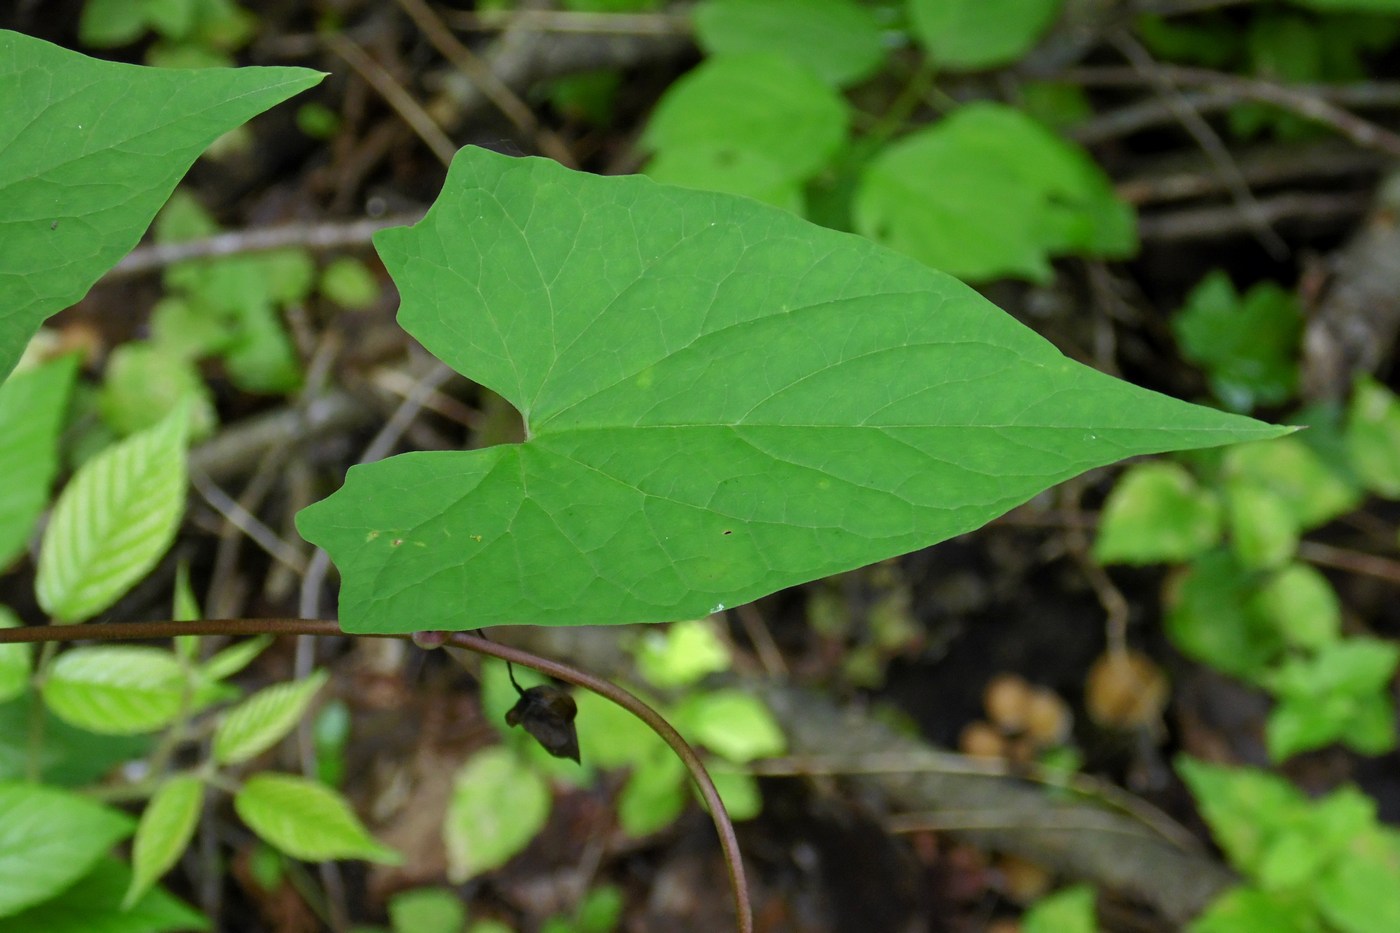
(729, 842)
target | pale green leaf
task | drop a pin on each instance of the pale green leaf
(115, 690)
(48, 839)
(16, 661)
(498, 805)
(682, 654)
(306, 820)
(1373, 437)
(739, 792)
(32, 404)
(1299, 603)
(965, 35)
(427, 910)
(731, 723)
(1156, 512)
(262, 720)
(759, 102)
(987, 192)
(654, 795)
(722, 400)
(1068, 911)
(1263, 525)
(838, 40)
(235, 657)
(114, 521)
(89, 150)
(1316, 492)
(94, 905)
(164, 832)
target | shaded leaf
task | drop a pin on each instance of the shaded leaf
(94, 905)
(498, 805)
(50, 838)
(32, 404)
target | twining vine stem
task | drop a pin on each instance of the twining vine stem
(729, 842)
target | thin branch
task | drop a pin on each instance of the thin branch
(480, 74)
(327, 235)
(403, 102)
(602, 24)
(729, 842)
(1209, 141)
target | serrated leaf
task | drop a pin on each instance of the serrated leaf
(987, 192)
(89, 150)
(262, 720)
(964, 35)
(48, 839)
(498, 805)
(31, 413)
(163, 833)
(306, 820)
(16, 661)
(114, 521)
(94, 905)
(115, 690)
(838, 40)
(722, 400)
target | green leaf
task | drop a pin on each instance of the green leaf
(498, 805)
(114, 521)
(1361, 892)
(349, 283)
(1068, 911)
(1156, 513)
(732, 724)
(1210, 617)
(1314, 491)
(1244, 807)
(654, 795)
(965, 35)
(1373, 437)
(1299, 603)
(427, 910)
(1263, 527)
(70, 757)
(721, 166)
(16, 661)
(89, 151)
(1248, 344)
(235, 657)
(163, 833)
(739, 792)
(32, 404)
(306, 820)
(987, 192)
(116, 690)
(839, 40)
(262, 720)
(761, 103)
(722, 400)
(48, 839)
(682, 654)
(145, 382)
(1244, 909)
(94, 905)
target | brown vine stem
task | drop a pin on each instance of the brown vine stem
(729, 842)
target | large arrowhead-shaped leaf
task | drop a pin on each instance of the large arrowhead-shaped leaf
(721, 399)
(89, 151)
